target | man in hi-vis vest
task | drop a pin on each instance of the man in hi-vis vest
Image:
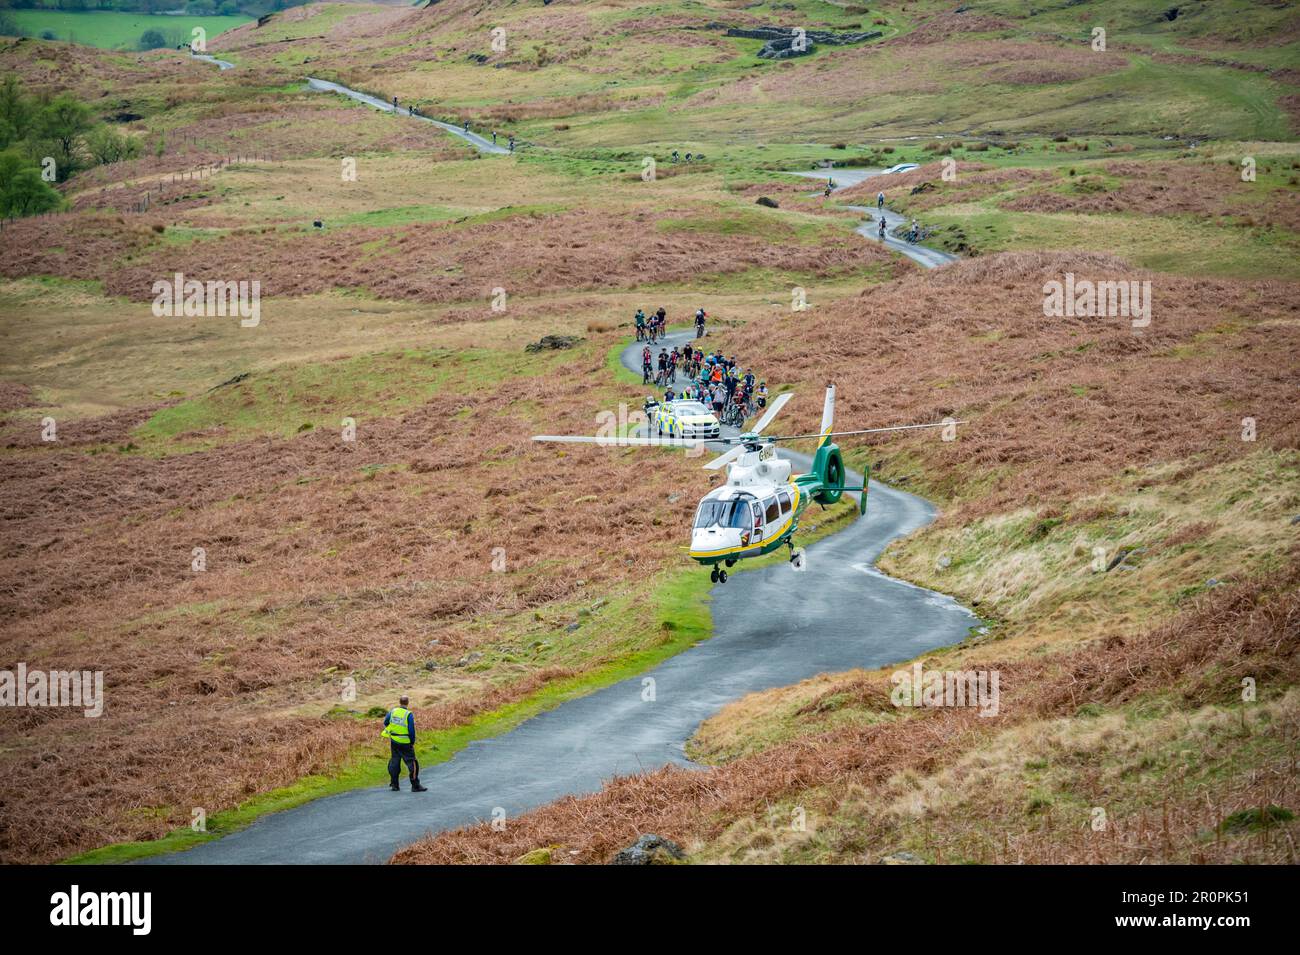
(399, 727)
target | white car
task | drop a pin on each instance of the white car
(902, 167)
(685, 419)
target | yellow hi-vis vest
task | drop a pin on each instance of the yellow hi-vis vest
(399, 725)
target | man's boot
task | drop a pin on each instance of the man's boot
(394, 787)
(416, 787)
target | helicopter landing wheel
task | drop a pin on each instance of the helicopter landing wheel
(713, 575)
(722, 576)
(798, 560)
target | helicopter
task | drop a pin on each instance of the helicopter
(757, 509)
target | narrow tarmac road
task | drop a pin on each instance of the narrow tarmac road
(772, 627)
(219, 64)
(481, 142)
(843, 179)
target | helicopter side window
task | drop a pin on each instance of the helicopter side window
(739, 513)
(784, 498)
(773, 510)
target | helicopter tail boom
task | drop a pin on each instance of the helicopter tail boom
(828, 413)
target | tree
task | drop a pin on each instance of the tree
(22, 190)
(106, 145)
(59, 129)
(152, 40)
(15, 112)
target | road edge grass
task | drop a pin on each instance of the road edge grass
(681, 607)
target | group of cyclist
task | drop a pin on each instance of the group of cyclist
(714, 380)
(651, 328)
(914, 234)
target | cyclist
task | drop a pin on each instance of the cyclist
(762, 395)
(640, 325)
(880, 202)
(741, 399)
(646, 366)
(882, 228)
(700, 316)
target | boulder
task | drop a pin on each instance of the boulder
(902, 858)
(765, 201)
(650, 850)
(542, 856)
(552, 342)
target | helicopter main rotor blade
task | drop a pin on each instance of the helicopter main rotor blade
(777, 404)
(835, 434)
(726, 458)
(622, 442)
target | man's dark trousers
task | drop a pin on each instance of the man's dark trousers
(403, 753)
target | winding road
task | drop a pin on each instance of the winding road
(219, 64)
(772, 626)
(481, 142)
(843, 179)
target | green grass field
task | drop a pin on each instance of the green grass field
(118, 31)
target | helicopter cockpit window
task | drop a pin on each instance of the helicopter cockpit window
(714, 513)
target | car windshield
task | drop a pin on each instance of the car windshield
(715, 513)
(689, 408)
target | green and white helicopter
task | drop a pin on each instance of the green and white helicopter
(758, 508)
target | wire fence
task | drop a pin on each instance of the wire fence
(156, 189)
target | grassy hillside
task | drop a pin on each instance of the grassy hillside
(373, 560)
(632, 73)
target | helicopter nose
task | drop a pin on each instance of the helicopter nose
(707, 541)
